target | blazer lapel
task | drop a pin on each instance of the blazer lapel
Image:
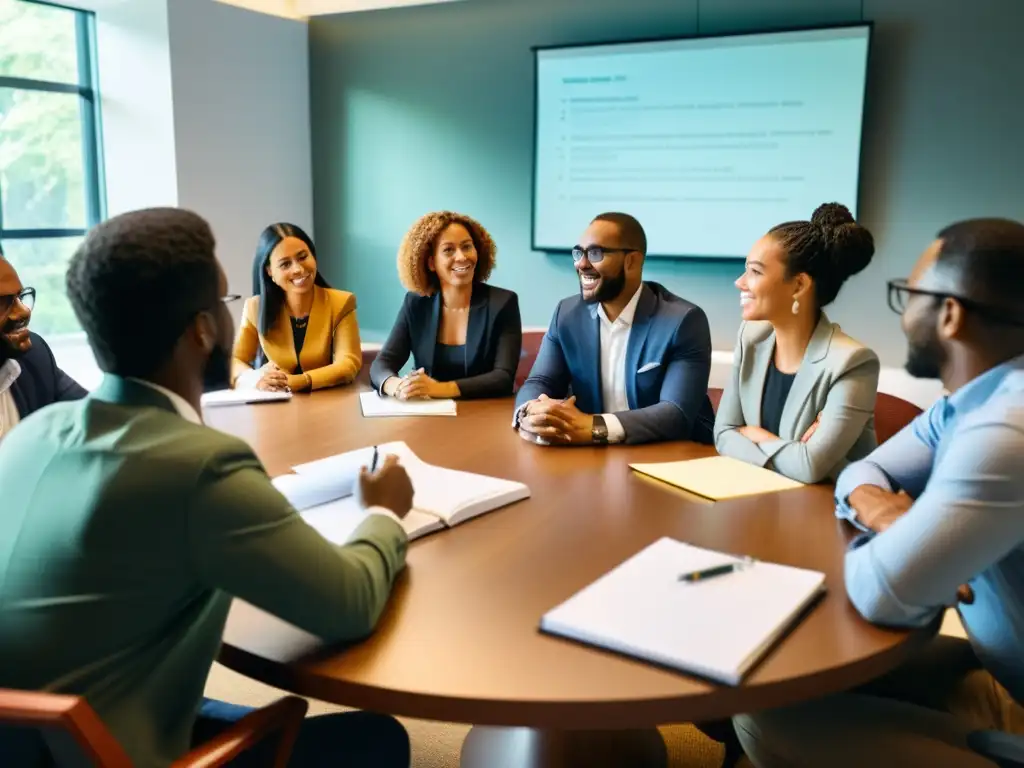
(763, 353)
(318, 331)
(479, 319)
(645, 309)
(590, 350)
(806, 378)
(279, 342)
(427, 343)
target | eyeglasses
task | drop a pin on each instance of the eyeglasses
(230, 298)
(595, 254)
(900, 292)
(27, 297)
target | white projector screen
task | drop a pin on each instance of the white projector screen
(709, 142)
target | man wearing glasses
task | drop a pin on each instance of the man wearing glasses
(941, 505)
(625, 360)
(29, 376)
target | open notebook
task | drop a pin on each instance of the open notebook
(373, 404)
(322, 492)
(717, 628)
(718, 477)
(224, 397)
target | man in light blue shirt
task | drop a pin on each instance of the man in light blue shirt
(942, 508)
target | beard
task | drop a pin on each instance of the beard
(217, 372)
(608, 289)
(7, 350)
(925, 357)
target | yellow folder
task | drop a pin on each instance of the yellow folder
(718, 477)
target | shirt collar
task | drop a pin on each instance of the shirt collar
(10, 370)
(980, 388)
(628, 312)
(181, 405)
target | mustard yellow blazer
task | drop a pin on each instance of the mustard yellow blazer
(331, 353)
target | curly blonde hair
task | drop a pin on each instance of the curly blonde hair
(419, 243)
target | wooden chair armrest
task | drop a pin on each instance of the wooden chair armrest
(284, 715)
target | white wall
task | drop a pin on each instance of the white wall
(241, 124)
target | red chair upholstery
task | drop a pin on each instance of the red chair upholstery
(528, 355)
(892, 414)
(72, 731)
(715, 395)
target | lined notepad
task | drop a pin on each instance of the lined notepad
(718, 477)
(717, 628)
(225, 397)
(321, 491)
(373, 404)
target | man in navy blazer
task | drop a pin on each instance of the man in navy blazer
(625, 361)
(29, 376)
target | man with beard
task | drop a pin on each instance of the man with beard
(942, 507)
(29, 376)
(625, 360)
(127, 526)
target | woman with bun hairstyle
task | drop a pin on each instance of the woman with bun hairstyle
(802, 396)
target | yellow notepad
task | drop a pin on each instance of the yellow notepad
(718, 477)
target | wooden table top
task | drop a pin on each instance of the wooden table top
(460, 640)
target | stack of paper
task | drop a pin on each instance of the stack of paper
(373, 404)
(242, 397)
(718, 477)
(322, 492)
(718, 627)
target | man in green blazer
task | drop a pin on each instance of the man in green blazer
(126, 526)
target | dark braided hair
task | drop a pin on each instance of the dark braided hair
(136, 282)
(830, 248)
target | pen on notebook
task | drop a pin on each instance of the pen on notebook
(718, 570)
(373, 464)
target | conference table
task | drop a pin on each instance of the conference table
(459, 640)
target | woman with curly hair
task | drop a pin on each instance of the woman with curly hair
(464, 335)
(297, 333)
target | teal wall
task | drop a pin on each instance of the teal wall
(431, 107)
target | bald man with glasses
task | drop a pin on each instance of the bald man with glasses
(624, 361)
(29, 376)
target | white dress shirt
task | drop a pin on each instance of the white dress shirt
(9, 416)
(187, 412)
(614, 340)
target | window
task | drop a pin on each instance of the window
(50, 170)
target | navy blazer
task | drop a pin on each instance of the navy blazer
(41, 382)
(494, 339)
(668, 363)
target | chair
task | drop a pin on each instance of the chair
(71, 731)
(892, 414)
(715, 396)
(528, 356)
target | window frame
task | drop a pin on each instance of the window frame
(87, 89)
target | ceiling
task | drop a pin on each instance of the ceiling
(302, 9)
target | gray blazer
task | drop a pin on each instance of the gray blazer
(838, 379)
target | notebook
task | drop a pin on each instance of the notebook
(373, 404)
(718, 477)
(224, 397)
(717, 628)
(322, 492)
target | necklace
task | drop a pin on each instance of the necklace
(456, 309)
(300, 322)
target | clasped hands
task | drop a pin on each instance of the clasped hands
(557, 421)
(418, 385)
(273, 379)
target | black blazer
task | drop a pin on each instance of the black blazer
(494, 340)
(41, 382)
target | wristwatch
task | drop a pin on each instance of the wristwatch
(599, 432)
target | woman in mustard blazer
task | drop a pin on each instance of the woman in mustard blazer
(297, 333)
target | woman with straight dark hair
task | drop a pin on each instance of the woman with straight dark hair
(297, 333)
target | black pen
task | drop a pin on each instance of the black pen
(709, 573)
(373, 465)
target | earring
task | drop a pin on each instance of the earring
(796, 306)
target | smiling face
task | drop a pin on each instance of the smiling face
(605, 280)
(454, 257)
(292, 267)
(14, 315)
(765, 291)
